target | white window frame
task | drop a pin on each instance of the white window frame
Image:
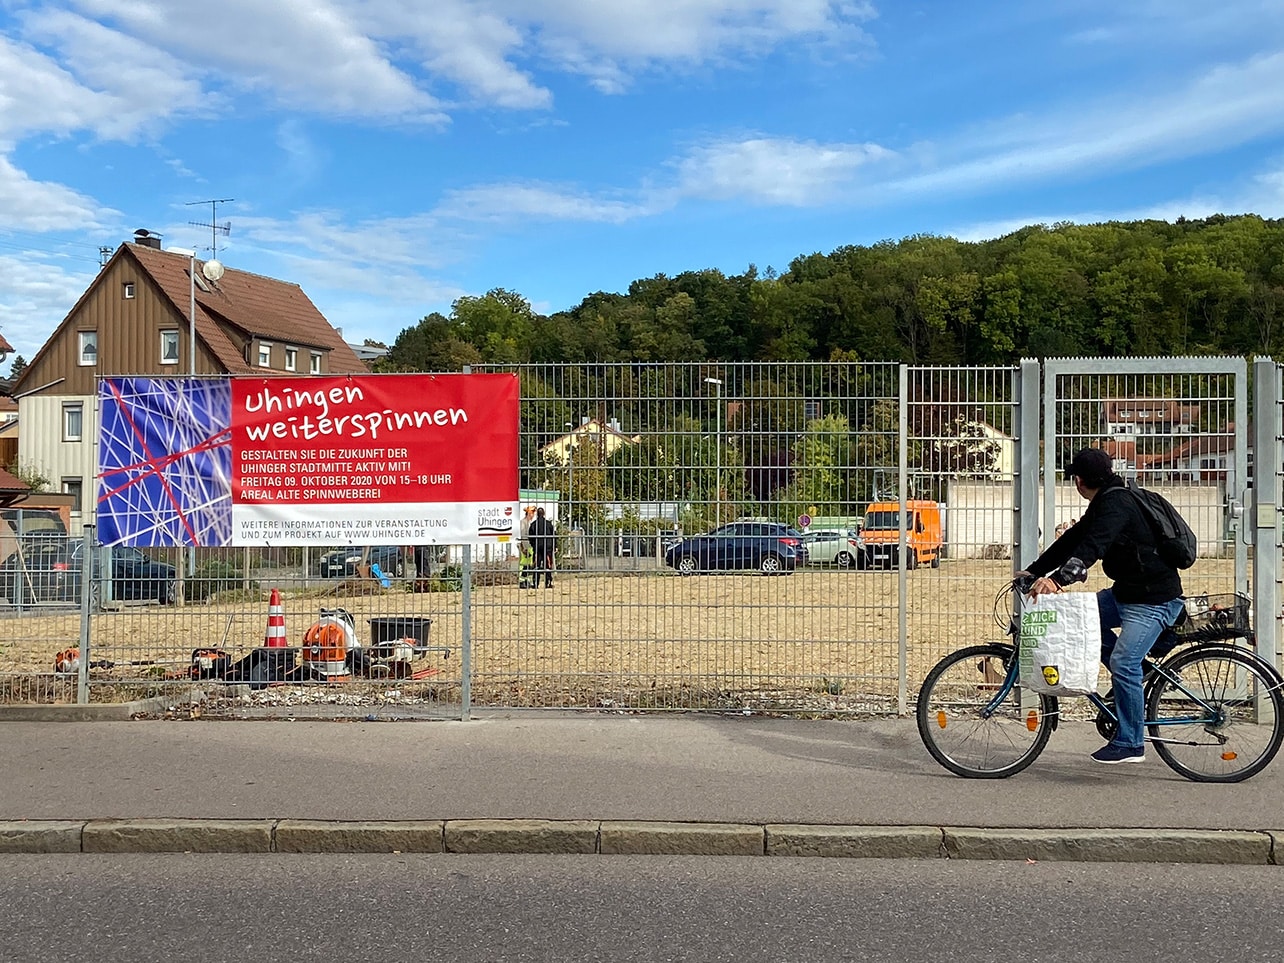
(169, 333)
(75, 486)
(265, 354)
(73, 412)
(314, 363)
(127, 290)
(86, 339)
(291, 357)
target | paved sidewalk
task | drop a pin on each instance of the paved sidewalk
(579, 776)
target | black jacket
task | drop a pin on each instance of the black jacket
(541, 535)
(1114, 531)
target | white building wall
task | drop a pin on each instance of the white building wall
(978, 520)
(41, 446)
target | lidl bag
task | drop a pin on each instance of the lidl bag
(1061, 644)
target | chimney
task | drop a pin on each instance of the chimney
(147, 238)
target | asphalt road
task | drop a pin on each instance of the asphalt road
(527, 908)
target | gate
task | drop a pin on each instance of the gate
(1176, 426)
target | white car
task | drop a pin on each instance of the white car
(832, 546)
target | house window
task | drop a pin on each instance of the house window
(73, 487)
(88, 347)
(127, 290)
(291, 358)
(315, 367)
(169, 347)
(265, 354)
(72, 422)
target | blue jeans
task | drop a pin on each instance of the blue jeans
(1139, 628)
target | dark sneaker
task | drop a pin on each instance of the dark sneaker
(1111, 754)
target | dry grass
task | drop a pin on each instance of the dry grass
(818, 640)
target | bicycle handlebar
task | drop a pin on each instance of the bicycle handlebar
(1073, 570)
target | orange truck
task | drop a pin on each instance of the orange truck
(880, 535)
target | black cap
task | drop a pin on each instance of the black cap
(1093, 465)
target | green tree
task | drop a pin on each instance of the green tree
(433, 344)
(500, 324)
(823, 477)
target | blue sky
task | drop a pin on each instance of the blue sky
(390, 156)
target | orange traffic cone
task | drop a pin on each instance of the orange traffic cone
(274, 638)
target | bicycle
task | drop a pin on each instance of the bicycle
(1213, 710)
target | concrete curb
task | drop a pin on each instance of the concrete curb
(629, 837)
(93, 712)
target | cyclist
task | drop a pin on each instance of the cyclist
(1144, 600)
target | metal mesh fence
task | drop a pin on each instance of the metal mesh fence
(692, 480)
(160, 621)
(728, 537)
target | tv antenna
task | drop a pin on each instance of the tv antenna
(215, 227)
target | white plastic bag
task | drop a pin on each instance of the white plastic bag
(1060, 650)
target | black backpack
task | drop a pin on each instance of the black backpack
(1175, 543)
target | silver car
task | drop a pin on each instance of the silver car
(831, 546)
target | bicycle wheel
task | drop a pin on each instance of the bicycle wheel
(962, 728)
(1215, 715)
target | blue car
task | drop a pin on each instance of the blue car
(767, 547)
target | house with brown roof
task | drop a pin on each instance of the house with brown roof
(152, 312)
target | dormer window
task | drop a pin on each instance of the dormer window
(88, 348)
(315, 366)
(127, 290)
(265, 354)
(291, 358)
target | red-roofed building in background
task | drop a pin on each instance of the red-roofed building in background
(136, 318)
(1164, 442)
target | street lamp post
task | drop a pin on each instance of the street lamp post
(570, 477)
(717, 385)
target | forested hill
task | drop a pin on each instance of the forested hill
(1212, 286)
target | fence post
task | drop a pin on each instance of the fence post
(1265, 503)
(1025, 487)
(87, 560)
(466, 636)
(902, 582)
(466, 627)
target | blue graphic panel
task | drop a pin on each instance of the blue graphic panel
(164, 461)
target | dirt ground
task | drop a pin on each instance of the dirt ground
(819, 639)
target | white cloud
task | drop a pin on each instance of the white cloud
(308, 54)
(465, 44)
(391, 244)
(35, 295)
(383, 59)
(123, 85)
(775, 171)
(39, 95)
(31, 205)
(1224, 107)
(1168, 23)
(522, 203)
(610, 41)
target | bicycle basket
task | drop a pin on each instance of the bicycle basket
(1211, 617)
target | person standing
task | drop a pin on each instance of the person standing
(541, 538)
(1144, 600)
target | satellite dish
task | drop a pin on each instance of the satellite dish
(212, 269)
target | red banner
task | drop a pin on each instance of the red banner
(310, 456)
